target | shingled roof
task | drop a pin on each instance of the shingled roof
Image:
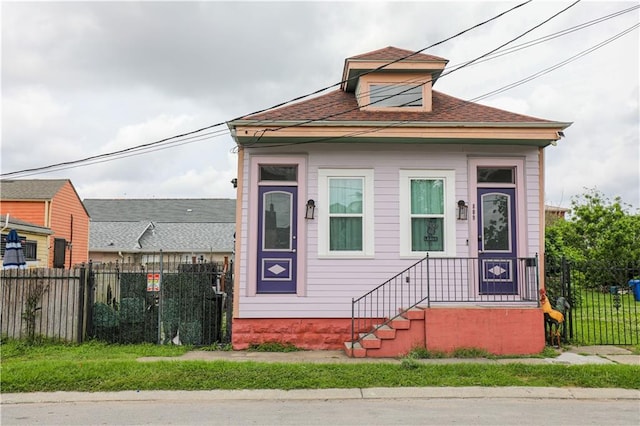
(178, 210)
(338, 106)
(391, 53)
(30, 189)
(171, 237)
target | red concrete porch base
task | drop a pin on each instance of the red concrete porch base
(500, 331)
(304, 333)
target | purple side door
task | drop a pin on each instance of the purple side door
(277, 239)
(497, 253)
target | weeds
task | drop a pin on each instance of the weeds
(273, 347)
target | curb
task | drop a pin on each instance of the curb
(512, 392)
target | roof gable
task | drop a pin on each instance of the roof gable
(390, 60)
(391, 53)
(31, 189)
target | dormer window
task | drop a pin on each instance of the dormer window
(394, 92)
(395, 95)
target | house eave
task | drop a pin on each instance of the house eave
(482, 133)
(382, 124)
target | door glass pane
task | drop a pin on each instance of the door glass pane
(345, 234)
(427, 234)
(495, 222)
(277, 221)
(345, 195)
(279, 173)
(427, 196)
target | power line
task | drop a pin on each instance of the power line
(99, 156)
(358, 107)
(466, 102)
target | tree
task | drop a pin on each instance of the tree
(602, 234)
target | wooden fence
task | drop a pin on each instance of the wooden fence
(43, 303)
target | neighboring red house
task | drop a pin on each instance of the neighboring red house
(53, 204)
(385, 215)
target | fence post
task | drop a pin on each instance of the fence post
(229, 287)
(566, 286)
(428, 283)
(89, 326)
(81, 313)
(160, 291)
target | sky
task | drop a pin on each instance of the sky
(80, 79)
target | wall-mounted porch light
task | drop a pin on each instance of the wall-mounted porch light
(462, 210)
(311, 209)
(234, 182)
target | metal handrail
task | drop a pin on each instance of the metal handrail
(440, 280)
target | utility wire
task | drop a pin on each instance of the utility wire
(214, 134)
(465, 103)
(93, 157)
(466, 64)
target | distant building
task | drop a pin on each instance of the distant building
(553, 213)
(135, 230)
(34, 239)
(53, 204)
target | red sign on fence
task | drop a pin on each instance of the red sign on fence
(153, 282)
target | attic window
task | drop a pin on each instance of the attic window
(395, 95)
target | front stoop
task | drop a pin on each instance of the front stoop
(391, 340)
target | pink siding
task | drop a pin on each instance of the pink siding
(331, 283)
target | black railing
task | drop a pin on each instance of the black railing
(604, 300)
(446, 281)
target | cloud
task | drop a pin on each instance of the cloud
(82, 78)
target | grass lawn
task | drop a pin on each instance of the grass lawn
(596, 320)
(92, 367)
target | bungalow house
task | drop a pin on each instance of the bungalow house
(133, 231)
(53, 204)
(385, 215)
(33, 238)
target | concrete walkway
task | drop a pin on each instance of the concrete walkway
(573, 356)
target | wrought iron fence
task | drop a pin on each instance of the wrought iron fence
(166, 302)
(604, 299)
(452, 281)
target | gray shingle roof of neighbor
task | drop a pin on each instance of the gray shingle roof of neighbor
(176, 210)
(30, 189)
(147, 236)
(21, 225)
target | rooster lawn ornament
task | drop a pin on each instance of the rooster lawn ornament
(554, 318)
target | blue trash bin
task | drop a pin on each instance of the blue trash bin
(635, 287)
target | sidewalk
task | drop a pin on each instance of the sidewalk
(574, 356)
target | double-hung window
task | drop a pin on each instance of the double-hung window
(345, 203)
(427, 213)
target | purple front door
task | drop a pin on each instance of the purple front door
(277, 243)
(497, 252)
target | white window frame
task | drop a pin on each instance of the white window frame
(323, 212)
(449, 226)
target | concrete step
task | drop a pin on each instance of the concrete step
(400, 323)
(385, 332)
(370, 341)
(414, 314)
(354, 350)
